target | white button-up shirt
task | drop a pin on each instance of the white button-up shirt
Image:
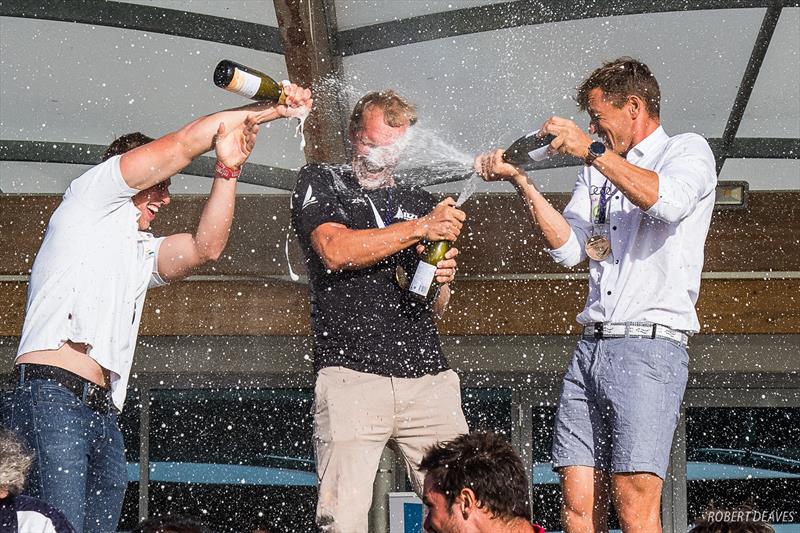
(653, 272)
(91, 274)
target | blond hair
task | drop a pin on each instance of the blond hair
(15, 462)
(397, 111)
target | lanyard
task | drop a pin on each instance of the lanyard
(603, 207)
(388, 218)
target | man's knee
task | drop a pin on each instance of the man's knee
(637, 497)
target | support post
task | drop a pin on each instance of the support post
(384, 484)
(308, 32)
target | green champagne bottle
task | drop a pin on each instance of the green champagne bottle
(247, 82)
(528, 149)
(424, 276)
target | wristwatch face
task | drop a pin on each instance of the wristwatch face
(597, 148)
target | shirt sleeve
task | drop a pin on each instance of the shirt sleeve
(102, 187)
(155, 278)
(577, 213)
(687, 175)
(314, 201)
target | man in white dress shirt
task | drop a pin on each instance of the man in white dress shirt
(639, 212)
(85, 299)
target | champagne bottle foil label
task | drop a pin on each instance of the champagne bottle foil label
(423, 278)
(540, 154)
(244, 84)
(528, 149)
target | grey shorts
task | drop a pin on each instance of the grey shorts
(620, 405)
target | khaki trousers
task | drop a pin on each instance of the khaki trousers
(356, 415)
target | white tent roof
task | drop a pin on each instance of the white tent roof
(87, 82)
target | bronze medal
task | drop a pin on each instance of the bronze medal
(598, 247)
(401, 277)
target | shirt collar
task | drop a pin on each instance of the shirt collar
(648, 145)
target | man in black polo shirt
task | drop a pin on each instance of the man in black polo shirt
(381, 375)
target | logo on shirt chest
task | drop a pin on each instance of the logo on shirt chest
(357, 200)
(402, 214)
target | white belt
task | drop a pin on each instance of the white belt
(642, 330)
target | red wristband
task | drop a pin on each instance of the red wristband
(226, 172)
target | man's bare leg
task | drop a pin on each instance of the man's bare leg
(637, 498)
(585, 499)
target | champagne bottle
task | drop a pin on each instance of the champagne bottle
(528, 149)
(426, 270)
(247, 82)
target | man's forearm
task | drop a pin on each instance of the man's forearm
(341, 248)
(639, 185)
(197, 137)
(554, 226)
(158, 160)
(214, 227)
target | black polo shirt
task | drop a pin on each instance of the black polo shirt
(362, 319)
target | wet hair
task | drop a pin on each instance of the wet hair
(620, 79)
(125, 143)
(488, 465)
(170, 524)
(397, 111)
(15, 462)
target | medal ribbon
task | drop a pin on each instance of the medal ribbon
(603, 207)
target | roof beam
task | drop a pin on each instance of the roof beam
(308, 30)
(513, 14)
(757, 56)
(152, 19)
(90, 154)
(281, 178)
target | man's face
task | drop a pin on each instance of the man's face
(376, 149)
(441, 517)
(614, 125)
(149, 201)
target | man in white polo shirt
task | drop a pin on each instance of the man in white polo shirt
(85, 299)
(640, 212)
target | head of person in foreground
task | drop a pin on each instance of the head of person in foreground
(475, 483)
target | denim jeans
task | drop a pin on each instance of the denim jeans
(79, 459)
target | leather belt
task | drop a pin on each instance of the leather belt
(637, 330)
(92, 395)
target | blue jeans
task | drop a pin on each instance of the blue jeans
(79, 457)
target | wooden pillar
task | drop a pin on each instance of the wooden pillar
(308, 31)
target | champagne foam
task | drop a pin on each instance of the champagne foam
(421, 147)
(300, 128)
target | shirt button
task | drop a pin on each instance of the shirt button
(614, 228)
(616, 262)
(609, 293)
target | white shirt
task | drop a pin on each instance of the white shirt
(653, 272)
(91, 274)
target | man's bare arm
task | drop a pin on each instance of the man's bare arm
(342, 248)
(158, 160)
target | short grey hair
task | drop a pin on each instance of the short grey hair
(15, 461)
